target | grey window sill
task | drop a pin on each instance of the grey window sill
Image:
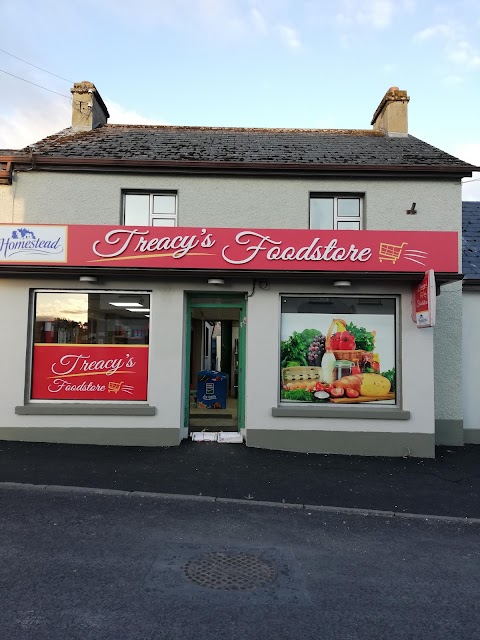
(84, 409)
(390, 413)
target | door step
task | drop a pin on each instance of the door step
(214, 436)
(220, 424)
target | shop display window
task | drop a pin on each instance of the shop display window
(338, 350)
(341, 213)
(150, 209)
(90, 345)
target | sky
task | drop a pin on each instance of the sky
(253, 63)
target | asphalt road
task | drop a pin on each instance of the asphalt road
(118, 567)
(448, 485)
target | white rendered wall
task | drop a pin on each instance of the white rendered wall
(263, 375)
(167, 357)
(82, 198)
(471, 365)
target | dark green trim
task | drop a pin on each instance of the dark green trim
(355, 412)
(361, 443)
(130, 436)
(242, 306)
(449, 432)
(84, 409)
(471, 436)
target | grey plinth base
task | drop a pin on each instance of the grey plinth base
(471, 436)
(130, 436)
(449, 432)
(419, 445)
(83, 409)
(364, 413)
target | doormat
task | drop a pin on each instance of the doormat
(217, 436)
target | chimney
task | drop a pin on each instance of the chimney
(391, 115)
(88, 108)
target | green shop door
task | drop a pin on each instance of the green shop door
(215, 341)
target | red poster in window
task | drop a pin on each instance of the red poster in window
(89, 372)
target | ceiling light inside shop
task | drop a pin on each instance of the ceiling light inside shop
(147, 315)
(125, 304)
(141, 310)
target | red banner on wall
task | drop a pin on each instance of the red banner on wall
(424, 300)
(232, 249)
(89, 372)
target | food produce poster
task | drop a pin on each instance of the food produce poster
(89, 372)
(382, 326)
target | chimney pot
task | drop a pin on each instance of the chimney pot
(391, 115)
(88, 108)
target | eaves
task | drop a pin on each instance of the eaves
(199, 167)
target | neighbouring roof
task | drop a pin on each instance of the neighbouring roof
(270, 147)
(471, 240)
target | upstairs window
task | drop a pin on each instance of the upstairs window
(150, 209)
(342, 213)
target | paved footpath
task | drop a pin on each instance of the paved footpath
(448, 485)
(82, 565)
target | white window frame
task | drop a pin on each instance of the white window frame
(153, 217)
(336, 218)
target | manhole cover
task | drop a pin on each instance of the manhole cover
(231, 572)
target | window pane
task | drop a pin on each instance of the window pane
(164, 204)
(90, 346)
(137, 209)
(91, 318)
(362, 342)
(348, 207)
(321, 213)
(346, 224)
(163, 222)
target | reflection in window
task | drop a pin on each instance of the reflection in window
(91, 318)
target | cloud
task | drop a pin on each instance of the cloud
(470, 186)
(452, 80)
(42, 116)
(456, 47)
(121, 115)
(377, 14)
(23, 126)
(258, 20)
(289, 37)
(443, 30)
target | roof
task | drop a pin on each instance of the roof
(471, 240)
(213, 150)
(299, 146)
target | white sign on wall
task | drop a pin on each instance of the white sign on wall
(39, 244)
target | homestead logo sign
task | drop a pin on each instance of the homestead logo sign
(33, 244)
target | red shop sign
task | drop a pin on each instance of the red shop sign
(231, 249)
(89, 372)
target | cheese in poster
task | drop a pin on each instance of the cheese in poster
(338, 351)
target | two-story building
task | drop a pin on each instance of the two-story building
(135, 258)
